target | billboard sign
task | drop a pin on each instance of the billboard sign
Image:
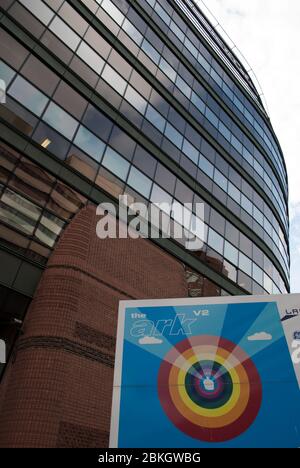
(207, 372)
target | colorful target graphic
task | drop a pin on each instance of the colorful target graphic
(209, 388)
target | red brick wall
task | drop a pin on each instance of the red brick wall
(57, 390)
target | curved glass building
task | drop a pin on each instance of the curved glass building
(101, 98)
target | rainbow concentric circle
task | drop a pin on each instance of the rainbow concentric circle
(209, 388)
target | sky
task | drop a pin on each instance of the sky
(267, 32)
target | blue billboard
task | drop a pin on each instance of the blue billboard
(219, 372)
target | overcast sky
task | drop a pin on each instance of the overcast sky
(268, 34)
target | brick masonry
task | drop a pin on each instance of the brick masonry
(57, 388)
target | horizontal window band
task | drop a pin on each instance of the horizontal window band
(78, 182)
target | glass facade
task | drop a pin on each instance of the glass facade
(131, 97)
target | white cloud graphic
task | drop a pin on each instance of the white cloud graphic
(149, 340)
(261, 336)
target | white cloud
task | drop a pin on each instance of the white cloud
(261, 336)
(267, 33)
(150, 340)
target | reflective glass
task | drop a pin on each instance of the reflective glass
(39, 9)
(139, 182)
(89, 143)
(173, 135)
(114, 79)
(66, 34)
(215, 241)
(90, 57)
(115, 163)
(60, 120)
(28, 95)
(231, 253)
(155, 118)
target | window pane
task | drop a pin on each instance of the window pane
(257, 274)
(167, 69)
(18, 211)
(6, 73)
(150, 51)
(60, 120)
(113, 11)
(220, 180)
(190, 151)
(89, 143)
(66, 34)
(90, 57)
(135, 99)
(139, 182)
(28, 95)
(231, 253)
(245, 264)
(173, 135)
(115, 163)
(155, 118)
(132, 32)
(39, 9)
(114, 79)
(206, 166)
(215, 241)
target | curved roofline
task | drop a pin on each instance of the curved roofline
(227, 51)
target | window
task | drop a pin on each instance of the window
(150, 51)
(39, 9)
(236, 144)
(231, 253)
(113, 11)
(114, 79)
(215, 241)
(211, 116)
(49, 229)
(245, 264)
(206, 166)
(183, 86)
(155, 118)
(70, 100)
(165, 178)
(143, 160)
(234, 193)
(159, 196)
(97, 122)
(66, 34)
(190, 151)
(246, 204)
(258, 216)
(90, 57)
(224, 130)
(135, 99)
(115, 163)
(89, 143)
(18, 211)
(167, 69)
(60, 120)
(257, 274)
(132, 32)
(220, 180)
(40, 75)
(139, 182)
(173, 135)
(199, 104)
(28, 95)
(6, 73)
